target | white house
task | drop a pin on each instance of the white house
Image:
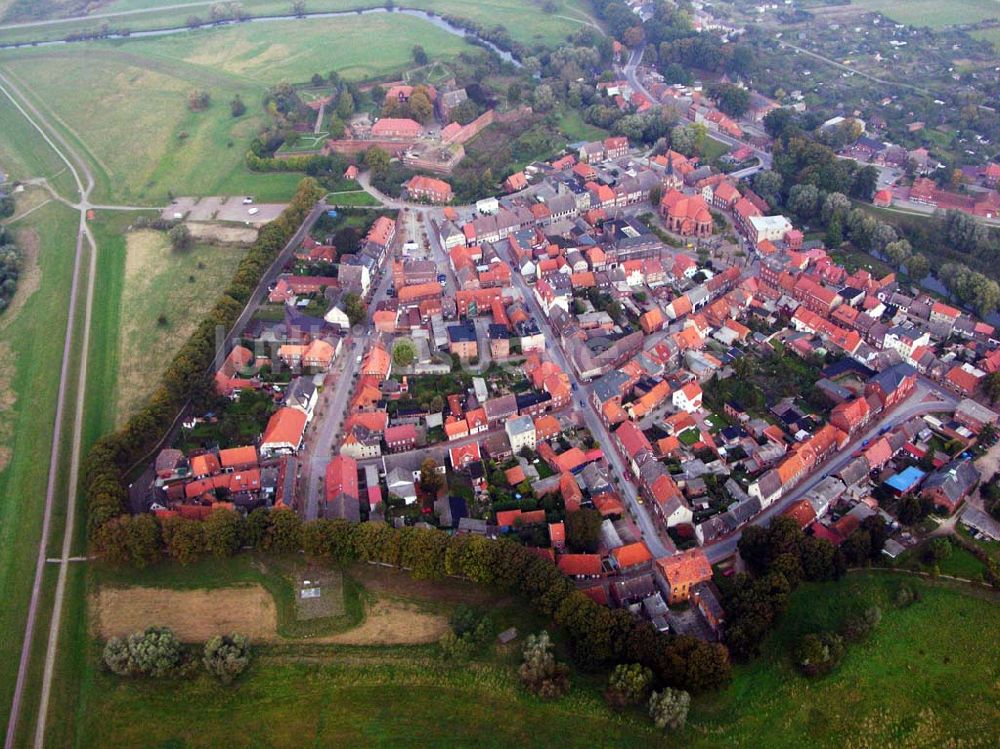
(687, 398)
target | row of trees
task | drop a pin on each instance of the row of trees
(188, 377)
(10, 266)
(599, 637)
(157, 653)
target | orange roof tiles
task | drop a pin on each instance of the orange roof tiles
(685, 569)
(632, 554)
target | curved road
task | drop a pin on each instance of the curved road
(85, 185)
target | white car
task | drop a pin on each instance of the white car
(254, 211)
(247, 201)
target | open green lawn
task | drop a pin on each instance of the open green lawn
(714, 150)
(920, 681)
(571, 125)
(31, 343)
(356, 198)
(933, 13)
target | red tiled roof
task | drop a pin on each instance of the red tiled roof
(632, 554)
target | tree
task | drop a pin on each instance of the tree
(898, 252)
(937, 550)
(421, 108)
(299, 8)
(183, 538)
(180, 238)
(628, 685)
(634, 37)
(154, 652)
(583, 530)
(860, 626)
(377, 159)
(655, 195)
(404, 352)
(236, 107)
(819, 654)
(430, 480)
(419, 55)
(199, 100)
(355, 308)
(767, 184)
(779, 121)
(540, 673)
(227, 656)
(544, 98)
(285, 532)
(991, 386)
(918, 266)
(803, 199)
(836, 205)
(345, 106)
(669, 708)
(732, 100)
(224, 532)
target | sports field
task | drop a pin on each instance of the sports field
(933, 13)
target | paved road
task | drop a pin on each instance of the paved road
(631, 75)
(85, 184)
(926, 399)
(581, 393)
(333, 406)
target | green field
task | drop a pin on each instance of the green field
(524, 19)
(181, 287)
(356, 696)
(571, 125)
(933, 13)
(125, 104)
(920, 681)
(31, 344)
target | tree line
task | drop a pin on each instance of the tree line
(10, 265)
(188, 377)
(599, 637)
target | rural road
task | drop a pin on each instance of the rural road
(84, 185)
(99, 16)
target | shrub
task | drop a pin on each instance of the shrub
(153, 652)
(860, 627)
(227, 656)
(540, 673)
(669, 708)
(628, 685)
(819, 654)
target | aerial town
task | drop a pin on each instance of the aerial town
(367, 373)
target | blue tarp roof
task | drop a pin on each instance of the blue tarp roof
(906, 479)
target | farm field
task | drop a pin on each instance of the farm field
(909, 685)
(31, 343)
(933, 13)
(180, 287)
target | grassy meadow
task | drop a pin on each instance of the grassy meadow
(910, 685)
(181, 287)
(920, 681)
(524, 19)
(31, 345)
(933, 13)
